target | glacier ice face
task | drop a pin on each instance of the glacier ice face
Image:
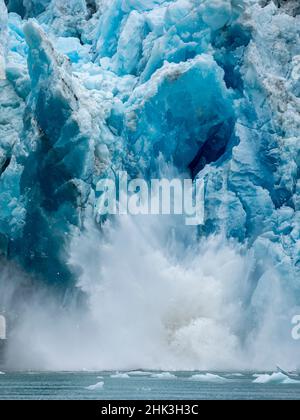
(291, 6)
(3, 33)
(65, 18)
(212, 87)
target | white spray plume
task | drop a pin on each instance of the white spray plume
(156, 303)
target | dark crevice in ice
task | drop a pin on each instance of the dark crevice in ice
(16, 6)
(91, 7)
(229, 44)
(29, 9)
(214, 148)
(5, 165)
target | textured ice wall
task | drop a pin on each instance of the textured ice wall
(3, 32)
(211, 87)
(90, 87)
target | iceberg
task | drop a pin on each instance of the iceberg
(119, 375)
(209, 377)
(163, 375)
(275, 378)
(139, 373)
(98, 386)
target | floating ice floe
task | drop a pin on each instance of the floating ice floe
(97, 386)
(145, 389)
(208, 377)
(275, 378)
(119, 375)
(163, 375)
(139, 373)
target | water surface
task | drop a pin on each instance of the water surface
(144, 386)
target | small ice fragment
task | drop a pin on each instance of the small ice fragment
(163, 375)
(208, 377)
(139, 373)
(275, 378)
(97, 386)
(119, 375)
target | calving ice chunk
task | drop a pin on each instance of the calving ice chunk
(112, 410)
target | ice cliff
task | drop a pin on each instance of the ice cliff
(90, 87)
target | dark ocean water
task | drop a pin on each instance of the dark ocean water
(143, 386)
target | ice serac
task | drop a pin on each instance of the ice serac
(11, 114)
(66, 18)
(275, 75)
(58, 166)
(181, 112)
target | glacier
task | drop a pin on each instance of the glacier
(210, 88)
